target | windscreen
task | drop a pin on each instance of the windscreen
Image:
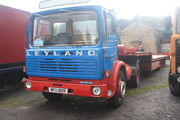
(71, 28)
(178, 23)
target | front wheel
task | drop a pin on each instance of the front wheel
(118, 97)
(52, 96)
(174, 87)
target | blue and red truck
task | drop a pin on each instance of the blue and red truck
(12, 53)
(74, 51)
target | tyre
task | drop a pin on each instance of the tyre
(52, 96)
(15, 78)
(118, 97)
(2, 83)
(164, 63)
(161, 65)
(135, 78)
(174, 87)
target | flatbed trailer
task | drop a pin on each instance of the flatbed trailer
(158, 61)
(147, 61)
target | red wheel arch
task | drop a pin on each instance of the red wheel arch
(114, 76)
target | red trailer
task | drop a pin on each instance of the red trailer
(146, 60)
(12, 34)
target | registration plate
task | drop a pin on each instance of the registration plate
(58, 90)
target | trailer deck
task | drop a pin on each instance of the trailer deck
(147, 61)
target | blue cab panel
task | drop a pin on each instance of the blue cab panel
(76, 62)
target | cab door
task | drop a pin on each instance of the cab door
(110, 41)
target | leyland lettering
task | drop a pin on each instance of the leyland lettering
(59, 53)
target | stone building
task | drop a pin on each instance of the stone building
(138, 34)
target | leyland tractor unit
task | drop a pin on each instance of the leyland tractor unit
(174, 74)
(74, 51)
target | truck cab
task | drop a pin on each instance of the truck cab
(74, 51)
(174, 74)
(72, 43)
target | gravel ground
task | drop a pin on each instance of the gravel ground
(151, 101)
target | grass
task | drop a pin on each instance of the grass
(166, 69)
(11, 102)
(17, 101)
(146, 89)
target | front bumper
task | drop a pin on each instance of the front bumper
(173, 77)
(74, 88)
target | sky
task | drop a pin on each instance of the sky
(123, 8)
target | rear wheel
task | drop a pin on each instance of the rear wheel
(136, 78)
(2, 83)
(164, 63)
(161, 65)
(52, 96)
(118, 97)
(15, 77)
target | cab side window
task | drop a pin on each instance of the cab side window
(111, 25)
(104, 28)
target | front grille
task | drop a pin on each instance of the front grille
(67, 68)
(177, 54)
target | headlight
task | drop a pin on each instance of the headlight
(178, 41)
(178, 79)
(96, 91)
(28, 85)
(178, 69)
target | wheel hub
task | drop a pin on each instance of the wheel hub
(123, 89)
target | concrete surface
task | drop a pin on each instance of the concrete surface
(151, 101)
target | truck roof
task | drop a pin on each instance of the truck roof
(49, 11)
